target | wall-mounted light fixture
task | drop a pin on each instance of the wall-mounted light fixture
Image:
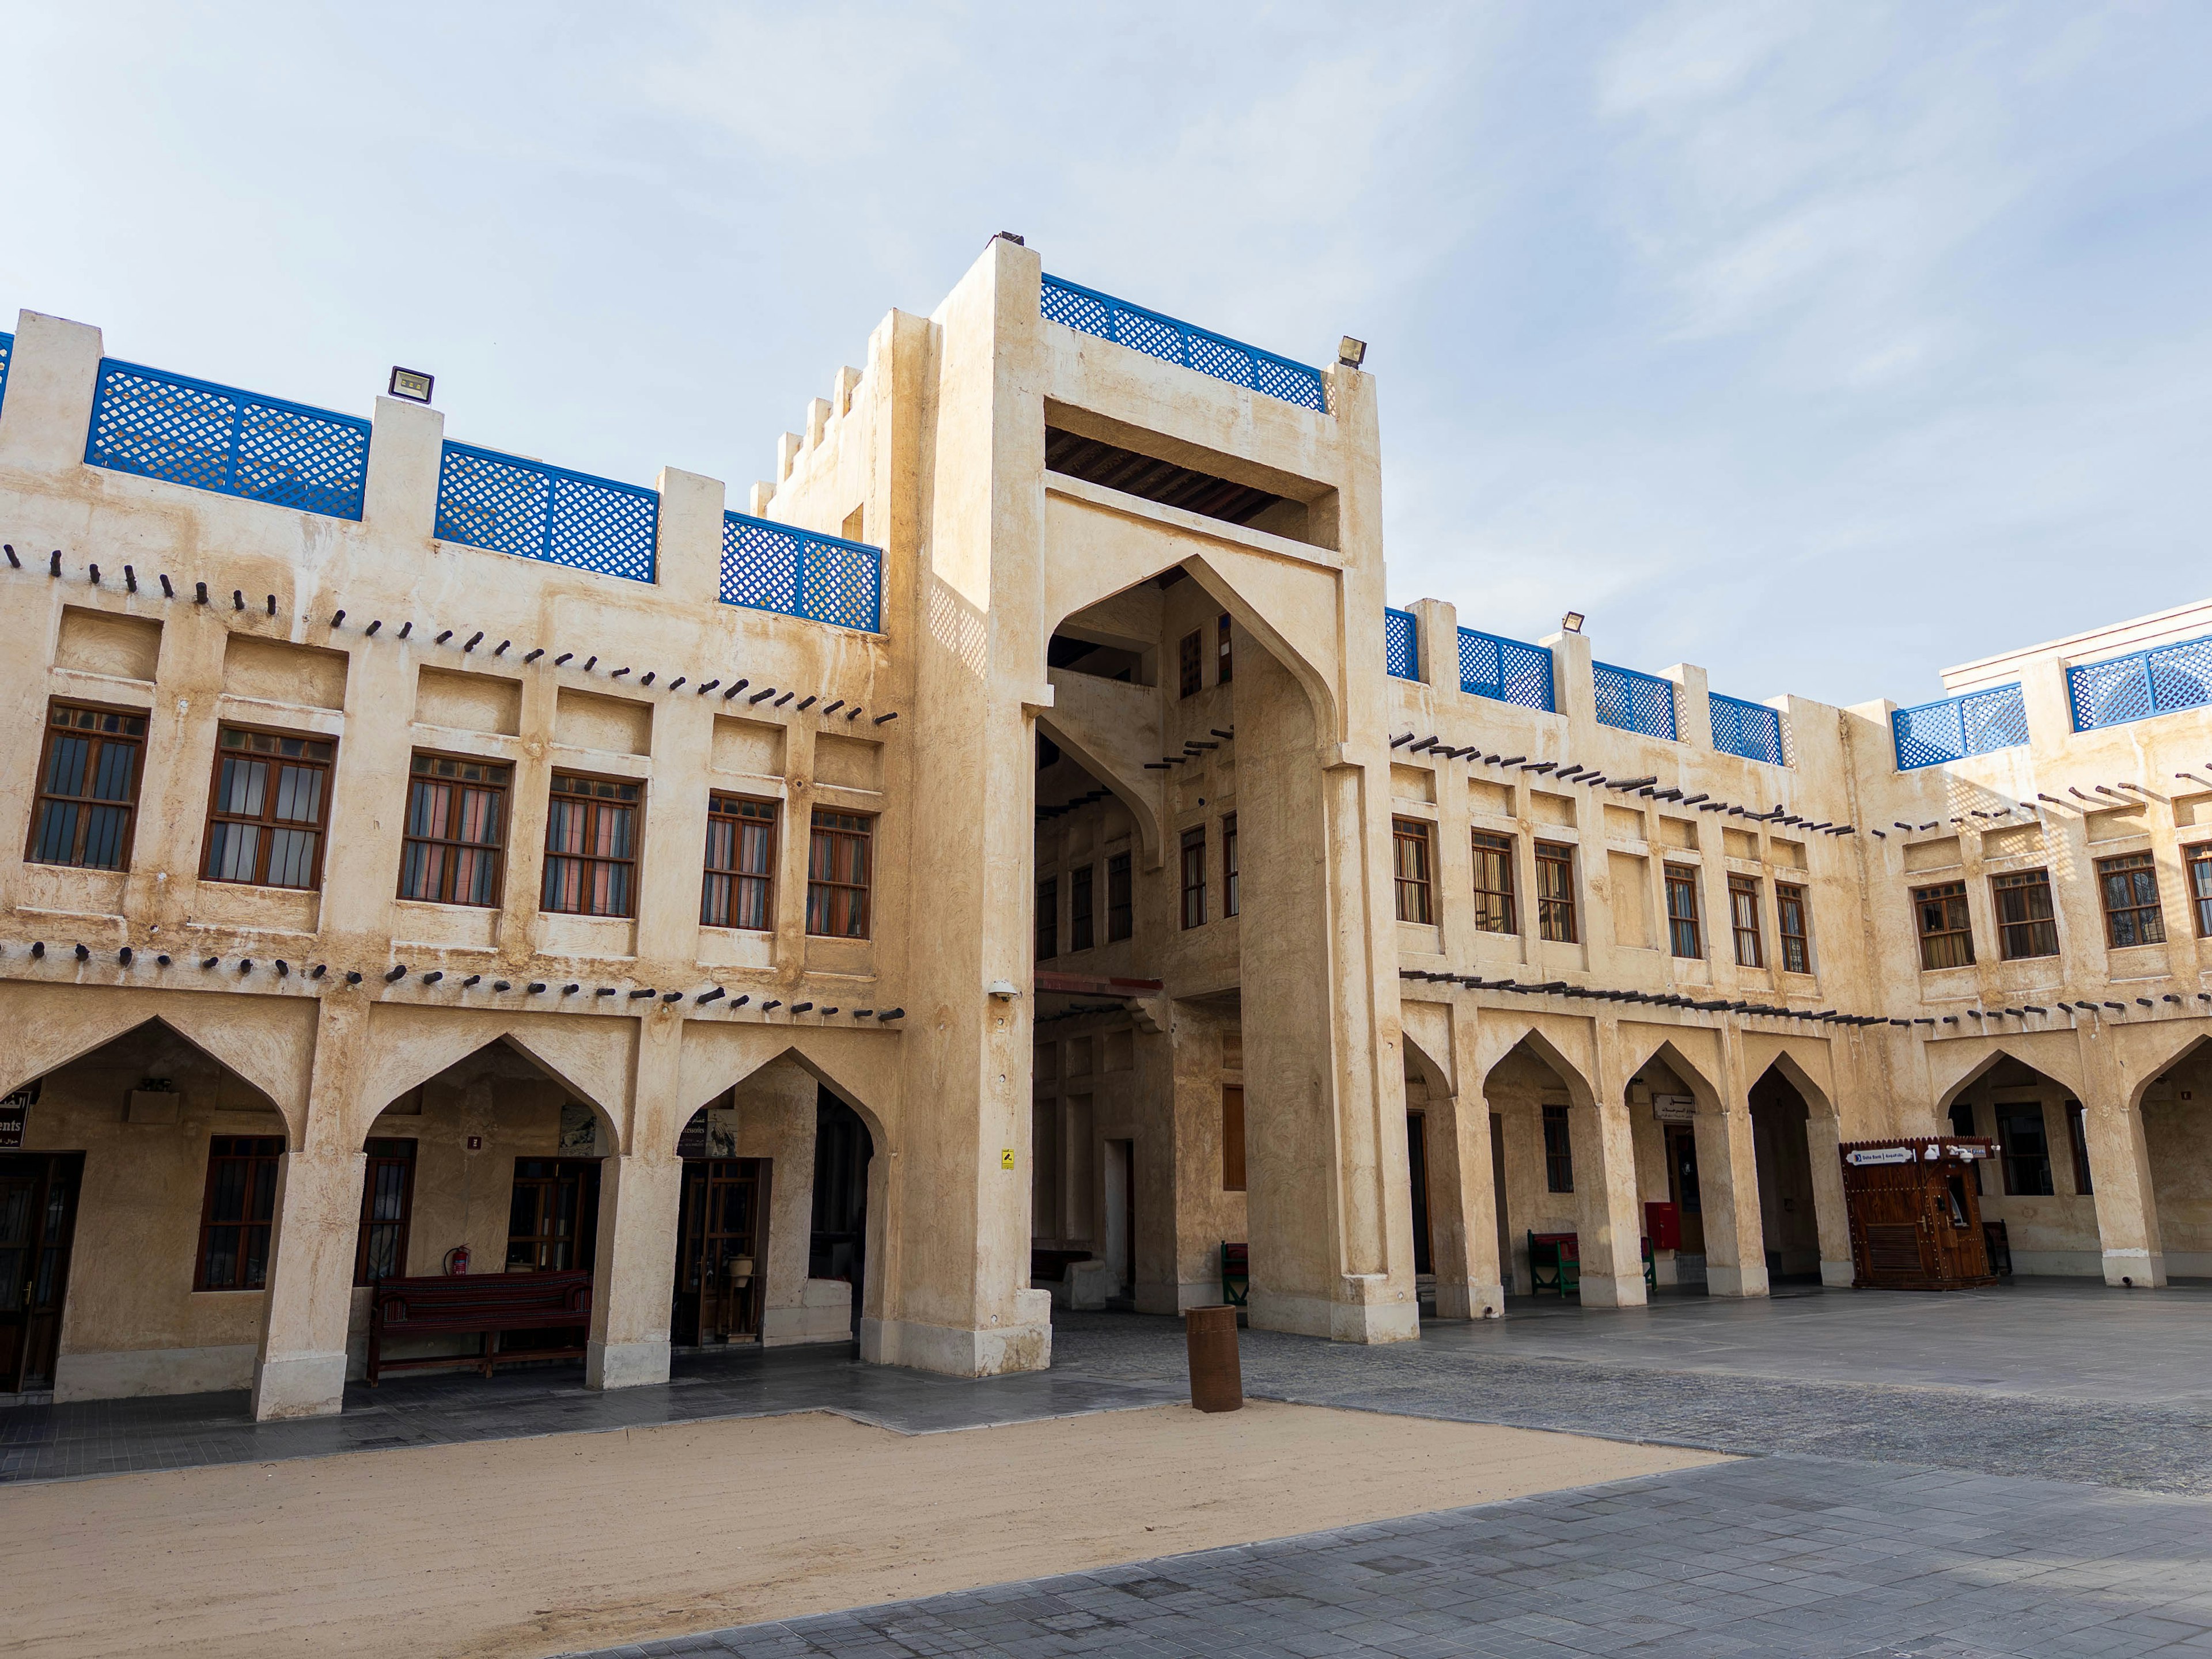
(412, 384)
(1572, 622)
(1350, 352)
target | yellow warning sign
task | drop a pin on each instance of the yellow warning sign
(1006, 1159)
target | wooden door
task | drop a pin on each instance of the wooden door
(1682, 1185)
(721, 1264)
(38, 1219)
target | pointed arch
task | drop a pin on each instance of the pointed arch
(1645, 1044)
(858, 1067)
(1581, 1091)
(2139, 1074)
(1078, 724)
(411, 1046)
(1806, 1064)
(1967, 1067)
(1425, 1029)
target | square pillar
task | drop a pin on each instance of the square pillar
(1728, 1189)
(2127, 1204)
(639, 1196)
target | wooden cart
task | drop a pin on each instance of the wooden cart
(1916, 1213)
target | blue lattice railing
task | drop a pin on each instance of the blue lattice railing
(1749, 729)
(799, 573)
(534, 511)
(1401, 651)
(2160, 680)
(7, 352)
(213, 437)
(1973, 724)
(1505, 668)
(1634, 702)
(1148, 331)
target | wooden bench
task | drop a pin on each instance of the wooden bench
(1236, 1273)
(484, 1305)
(1555, 1265)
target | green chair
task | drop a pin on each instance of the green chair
(1236, 1273)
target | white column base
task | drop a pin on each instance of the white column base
(1470, 1301)
(1389, 1316)
(1735, 1281)
(2138, 1269)
(1837, 1275)
(298, 1385)
(1615, 1290)
(626, 1364)
(951, 1351)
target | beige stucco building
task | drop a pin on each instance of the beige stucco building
(1016, 855)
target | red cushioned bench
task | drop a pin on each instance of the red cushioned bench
(484, 1305)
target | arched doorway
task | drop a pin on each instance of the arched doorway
(2176, 1126)
(2038, 1197)
(837, 1243)
(1533, 1158)
(1781, 1149)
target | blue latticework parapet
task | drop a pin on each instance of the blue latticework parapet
(7, 352)
(236, 443)
(1634, 702)
(1973, 724)
(801, 573)
(2161, 681)
(1148, 331)
(1401, 651)
(539, 512)
(1506, 669)
(1749, 729)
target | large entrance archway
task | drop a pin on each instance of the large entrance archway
(1782, 1148)
(2038, 1198)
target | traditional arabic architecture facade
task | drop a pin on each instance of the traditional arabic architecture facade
(1018, 854)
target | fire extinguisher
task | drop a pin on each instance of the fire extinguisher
(457, 1260)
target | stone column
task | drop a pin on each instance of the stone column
(1824, 1148)
(1609, 1216)
(2127, 1204)
(1728, 1188)
(1462, 1198)
(301, 1370)
(635, 1276)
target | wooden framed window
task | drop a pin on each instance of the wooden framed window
(2077, 1133)
(1555, 891)
(1791, 928)
(2026, 1149)
(2128, 887)
(238, 1212)
(387, 1204)
(1047, 919)
(591, 847)
(1743, 921)
(1558, 1152)
(87, 808)
(1493, 882)
(268, 808)
(1121, 898)
(1947, 933)
(1232, 1138)
(552, 1217)
(840, 861)
(1191, 655)
(1224, 660)
(2025, 923)
(1194, 878)
(1409, 868)
(2198, 860)
(1682, 934)
(740, 889)
(1230, 900)
(1079, 930)
(456, 830)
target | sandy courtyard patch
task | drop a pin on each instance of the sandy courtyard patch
(536, 1547)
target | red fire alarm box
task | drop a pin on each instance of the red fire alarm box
(1664, 1222)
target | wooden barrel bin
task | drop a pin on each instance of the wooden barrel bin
(1217, 1380)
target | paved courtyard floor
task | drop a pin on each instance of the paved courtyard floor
(2025, 1470)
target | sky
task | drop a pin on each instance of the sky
(1824, 346)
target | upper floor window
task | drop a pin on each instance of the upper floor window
(88, 787)
(839, 864)
(268, 809)
(1078, 910)
(1682, 938)
(1947, 933)
(1743, 921)
(1194, 878)
(2128, 887)
(591, 847)
(1493, 882)
(1224, 660)
(456, 829)
(2026, 922)
(1791, 928)
(1047, 919)
(1555, 891)
(740, 889)
(1229, 895)
(1409, 844)
(1121, 898)
(2199, 859)
(1191, 655)
(238, 1212)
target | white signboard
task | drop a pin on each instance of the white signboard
(1881, 1155)
(1674, 1109)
